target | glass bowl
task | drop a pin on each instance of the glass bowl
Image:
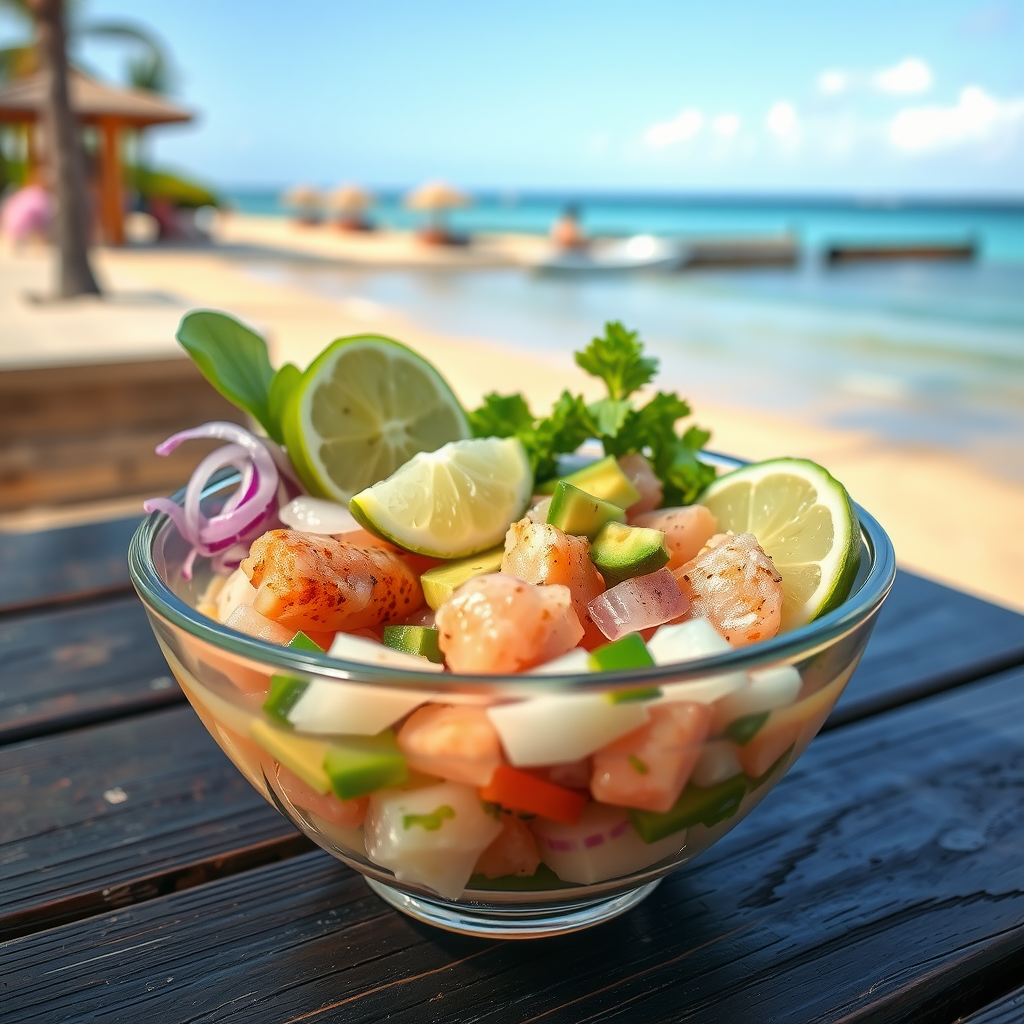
(719, 731)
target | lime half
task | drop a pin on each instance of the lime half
(450, 503)
(364, 407)
(802, 517)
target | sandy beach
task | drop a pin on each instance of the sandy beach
(948, 519)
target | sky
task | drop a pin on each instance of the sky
(878, 97)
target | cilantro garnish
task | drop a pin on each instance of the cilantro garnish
(616, 421)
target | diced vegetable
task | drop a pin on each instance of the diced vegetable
(575, 511)
(357, 765)
(577, 660)
(302, 754)
(767, 690)
(285, 692)
(649, 767)
(442, 581)
(638, 469)
(301, 642)
(346, 813)
(561, 727)
(519, 791)
(604, 479)
(717, 762)
(418, 640)
(330, 706)
(369, 652)
(431, 836)
(688, 641)
(455, 743)
(622, 552)
(601, 845)
(639, 603)
(625, 653)
(695, 806)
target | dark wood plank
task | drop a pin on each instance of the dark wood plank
(1008, 1010)
(929, 638)
(84, 663)
(882, 880)
(72, 563)
(113, 814)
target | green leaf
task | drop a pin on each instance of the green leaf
(501, 416)
(568, 426)
(233, 359)
(618, 360)
(609, 415)
(285, 381)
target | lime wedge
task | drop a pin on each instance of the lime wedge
(364, 407)
(450, 503)
(803, 518)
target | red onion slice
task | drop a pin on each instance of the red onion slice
(638, 603)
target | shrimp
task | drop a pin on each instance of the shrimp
(735, 585)
(543, 554)
(307, 581)
(687, 530)
(497, 624)
(642, 477)
(455, 743)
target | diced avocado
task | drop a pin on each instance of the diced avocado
(303, 755)
(622, 552)
(575, 511)
(301, 642)
(440, 582)
(743, 730)
(603, 479)
(421, 640)
(627, 652)
(695, 806)
(285, 692)
(357, 765)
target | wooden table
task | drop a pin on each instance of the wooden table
(142, 879)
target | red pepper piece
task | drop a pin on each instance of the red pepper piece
(519, 791)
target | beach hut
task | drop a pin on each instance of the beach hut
(110, 109)
(349, 203)
(436, 198)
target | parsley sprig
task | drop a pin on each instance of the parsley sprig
(616, 421)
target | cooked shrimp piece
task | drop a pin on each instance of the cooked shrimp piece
(687, 529)
(311, 582)
(454, 743)
(647, 768)
(543, 554)
(247, 620)
(499, 624)
(513, 852)
(735, 585)
(642, 477)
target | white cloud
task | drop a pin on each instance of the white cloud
(834, 81)
(909, 77)
(977, 117)
(681, 128)
(726, 126)
(783, 122)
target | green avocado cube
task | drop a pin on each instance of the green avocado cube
(627, 652)
(696, 806)
(421, 640)
(301, 642)
(622, 552)
(357, 765)
(603, 479)
(304, 755)
(441, 582)
(284, 694)
(575, 511)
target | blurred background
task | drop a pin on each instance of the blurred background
(814, 216)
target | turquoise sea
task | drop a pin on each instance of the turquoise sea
(921, 354)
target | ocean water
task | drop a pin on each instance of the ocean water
(927, 355)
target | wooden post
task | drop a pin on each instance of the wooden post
(111, 199)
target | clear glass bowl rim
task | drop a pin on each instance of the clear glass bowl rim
(820, 633)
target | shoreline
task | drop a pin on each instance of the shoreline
(919, 494)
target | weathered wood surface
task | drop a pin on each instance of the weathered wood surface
(881, 880)
(79, 664)
(73, 563)
(1008, 1010)
(122, 812)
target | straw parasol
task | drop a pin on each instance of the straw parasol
(435, 197)
(306, 200)
(349, 199)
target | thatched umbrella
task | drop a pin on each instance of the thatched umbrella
(306, 200)
(435, 197)
(350, 202)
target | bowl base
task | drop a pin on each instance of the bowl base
(495, 921)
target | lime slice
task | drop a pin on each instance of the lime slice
(364, 407)
(803, 518)
(453, 502)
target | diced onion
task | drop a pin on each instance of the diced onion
(318, 515)
(638, 603)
